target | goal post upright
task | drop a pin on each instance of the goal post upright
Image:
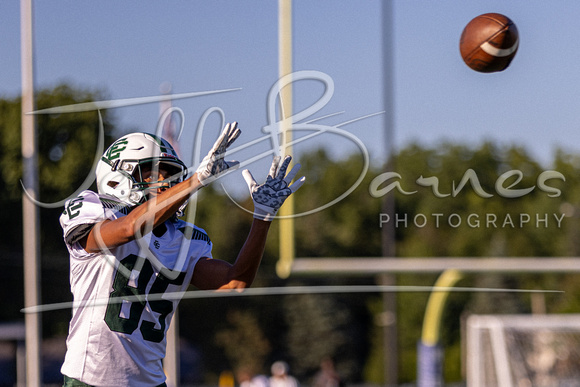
(30, 211)
(286, 223)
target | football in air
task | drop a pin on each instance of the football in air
(489, 42)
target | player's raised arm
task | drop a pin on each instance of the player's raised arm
(144, 170)
(268, 198)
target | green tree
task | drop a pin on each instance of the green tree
(317, 329)
(66, 149)
(349, 227)
(66, 142)
(244, 342)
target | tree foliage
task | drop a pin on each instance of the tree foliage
(66, 142)
(244, 341)
(66, 149)
(349, 227)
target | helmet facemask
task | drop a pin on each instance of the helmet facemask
(128, 162)
(172, 171)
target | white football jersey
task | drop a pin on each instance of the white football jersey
(124, 298)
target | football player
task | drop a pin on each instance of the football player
(131, 256)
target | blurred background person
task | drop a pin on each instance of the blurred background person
(281, 377)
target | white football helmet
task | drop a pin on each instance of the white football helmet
(119, 170)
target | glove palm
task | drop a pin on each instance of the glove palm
(269, 196)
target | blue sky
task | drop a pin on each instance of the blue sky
(130, 48)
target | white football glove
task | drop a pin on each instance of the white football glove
(213, 165)
(270, 196)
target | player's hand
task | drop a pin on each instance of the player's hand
(213, 165)
(270, 196)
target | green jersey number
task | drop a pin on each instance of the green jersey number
(73, 208)
(138, 298)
